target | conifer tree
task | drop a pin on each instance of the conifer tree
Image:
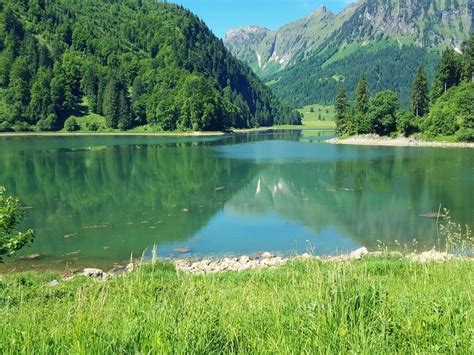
(362, 96)
(420, 96)
(468, 60)
(111, 105)
(449, 73)
(124, 115)
(342, 107)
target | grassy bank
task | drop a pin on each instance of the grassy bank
(368, 306)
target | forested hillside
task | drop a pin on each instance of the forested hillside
(135, 62)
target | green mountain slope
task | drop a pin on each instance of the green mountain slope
(387, 39)
(134, 61)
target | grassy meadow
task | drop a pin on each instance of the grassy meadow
(385, 305)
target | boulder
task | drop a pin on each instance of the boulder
(359, 253)
(53, 283)
(95, 273)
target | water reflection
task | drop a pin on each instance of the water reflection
(99, 199)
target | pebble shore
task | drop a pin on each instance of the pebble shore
(375, 140)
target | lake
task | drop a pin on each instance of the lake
(98, 200)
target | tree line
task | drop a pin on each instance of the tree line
(445, 110)
(134, 62)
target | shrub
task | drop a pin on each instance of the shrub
(452, 111)
(465, 134)
(48, 124)
(71, 125)
(407, 123)
(10, 216)
(93, 126)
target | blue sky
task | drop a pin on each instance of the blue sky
(220, 15)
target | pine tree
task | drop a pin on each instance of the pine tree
(124, 114)
(468, 60)
(111, 103)
(449, 73)
(89, 85)
(40, 102)
(362, 96)
(342, 108)
(420, 95)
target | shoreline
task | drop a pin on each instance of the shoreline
(375, 140)
(258, 261)
(164, 134)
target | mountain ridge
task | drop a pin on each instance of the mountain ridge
(384, 38)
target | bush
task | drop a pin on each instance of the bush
(407, 123)
(10, 216)
(452, 111)
(465, 134)
(48, 124)
(71, 125)
(93, 126)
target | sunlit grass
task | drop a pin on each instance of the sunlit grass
(371, 306)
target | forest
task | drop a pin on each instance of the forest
(134, 62)
(445, 110)
(386, 66)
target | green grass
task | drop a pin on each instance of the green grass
(318, 116)
(372, 306)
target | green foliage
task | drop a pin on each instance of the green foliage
(420, 94)
(342, 109)
(407, 123)
(133, 63)
(362, 96)
(452, 111)
(449, 73)
(382, 112)
(71, 125)
(11, 214)
(468, 60)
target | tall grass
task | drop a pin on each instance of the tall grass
(371, 306)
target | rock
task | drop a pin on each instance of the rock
(95, 273)
(132, 266)
(244, 259)
(267, 255)
(359, 253)
(306, 256)
(182, 250)
(431, 255)
(117, 270)
(31, 256)
(53, 283)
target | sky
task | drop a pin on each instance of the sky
(221, 15)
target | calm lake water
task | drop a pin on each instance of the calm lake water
(97, 200)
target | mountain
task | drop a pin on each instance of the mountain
(386, 39)
(134, 62)
(269, 51)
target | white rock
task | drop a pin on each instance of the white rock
(244, 259)
(89, 272)
(53, 283)
(267, 255)
(359, 253)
